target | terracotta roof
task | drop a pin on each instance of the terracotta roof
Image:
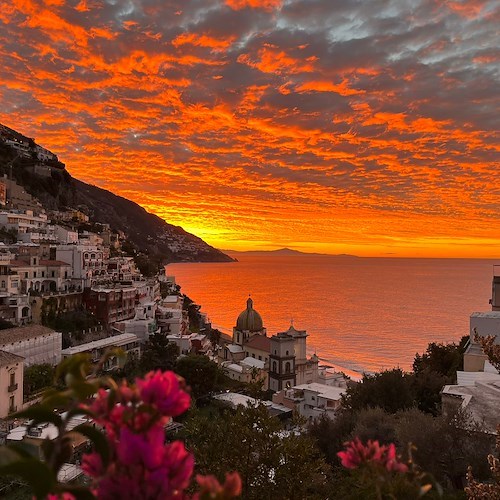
(11, 335)
(7, 358)
(259, 342)
(18, 263)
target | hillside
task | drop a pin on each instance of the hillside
(58, 190)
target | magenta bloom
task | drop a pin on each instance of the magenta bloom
(357, 454)
(162, 391)
(145, 448)
(142, 466)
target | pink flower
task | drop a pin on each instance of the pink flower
(179, 463)
(162, 391)
(92, 464)
(357, 454)
(392, 463)
(60, 496)
(146, 449)
(209, 485)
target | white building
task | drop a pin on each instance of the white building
(143, 325)
(484, 324)
(66, 236)
(36, 343)
(312, 400)
(11, 383)
(87, 261)
(126, 341)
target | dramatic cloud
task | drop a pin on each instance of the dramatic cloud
(328, 125)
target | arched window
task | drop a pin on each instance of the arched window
(287, 367)
(274, 367)
(287, 353)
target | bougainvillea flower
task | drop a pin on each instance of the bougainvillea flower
(162, 390)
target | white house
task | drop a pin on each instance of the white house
(312, 400)
(36, 343)
(126, 341)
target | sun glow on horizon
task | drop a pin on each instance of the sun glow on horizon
(267, 124)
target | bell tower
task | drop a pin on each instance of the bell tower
(282, 362)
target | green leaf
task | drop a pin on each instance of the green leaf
(98, 440)
(37, 474)
(82, 390)
(77, 366)
(39, 414)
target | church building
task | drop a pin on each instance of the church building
(283, 356)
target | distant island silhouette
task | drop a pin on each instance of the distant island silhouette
(288, 252)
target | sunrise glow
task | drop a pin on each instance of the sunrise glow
(327, 126)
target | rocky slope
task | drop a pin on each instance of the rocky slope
(59, 191)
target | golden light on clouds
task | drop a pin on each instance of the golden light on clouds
(325, 125)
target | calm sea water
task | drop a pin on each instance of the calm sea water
(363, 314)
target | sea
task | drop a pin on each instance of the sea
(361, 314)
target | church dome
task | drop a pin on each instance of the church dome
(249, 319)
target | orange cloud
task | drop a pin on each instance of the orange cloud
(254, 4)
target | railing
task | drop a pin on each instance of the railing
(12, 388)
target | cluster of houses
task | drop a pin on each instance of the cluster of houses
(49, 265)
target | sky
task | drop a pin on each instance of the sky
(338, 126)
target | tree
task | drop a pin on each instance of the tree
(445, 359)
(158, 354)
(272, 463)
(37, 377)
(201, 374)
(391, 390)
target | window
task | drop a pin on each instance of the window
(287, 367)
(12, 378)
(260, 358)
(287, 353)
(274, 367)
(25, 275)
(34, 274)
(43, 274)
(52, 274)
(3, 283)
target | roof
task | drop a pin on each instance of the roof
(293, 332)
(249, 361)
(249, 320)
(486, 314)
(482, 401)
(7, 358)
(260, 342)
(470, 378)
(11, 335)
(234, 348)
(324, 391)
(116, 340)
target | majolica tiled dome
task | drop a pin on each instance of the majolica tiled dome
(249, 320)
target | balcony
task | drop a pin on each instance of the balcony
(12, 388)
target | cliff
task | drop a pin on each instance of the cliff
(46, 179)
